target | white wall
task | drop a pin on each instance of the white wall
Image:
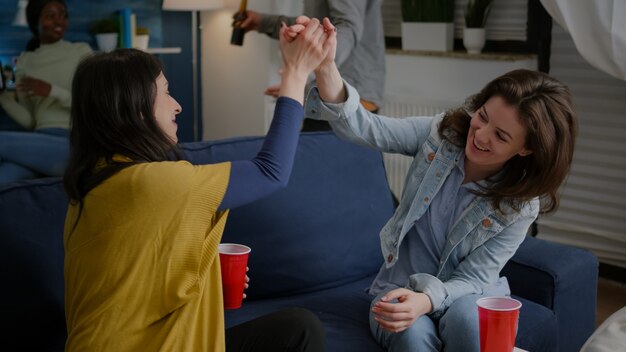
(444, 79)
(233, 77)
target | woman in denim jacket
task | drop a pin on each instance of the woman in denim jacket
(470, 195)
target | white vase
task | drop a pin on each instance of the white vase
(427, 36)
(106, 41)
(474, 40)
(141, 41)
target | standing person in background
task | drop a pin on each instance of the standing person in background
(43, 74)
(360, 45)
(142, 270)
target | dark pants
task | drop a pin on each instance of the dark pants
(288, 330)
(310, 125)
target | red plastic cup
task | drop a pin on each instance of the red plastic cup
(233, 262)
(498, 323)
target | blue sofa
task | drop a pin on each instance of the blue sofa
(314, 244)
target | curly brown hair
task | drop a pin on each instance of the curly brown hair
(545, 108)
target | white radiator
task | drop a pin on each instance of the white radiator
(397, 165)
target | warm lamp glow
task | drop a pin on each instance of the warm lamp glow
(192, 5)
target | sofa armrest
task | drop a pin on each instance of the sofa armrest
(562, 278)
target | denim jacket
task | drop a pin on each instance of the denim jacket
(479, 243)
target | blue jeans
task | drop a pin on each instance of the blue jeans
(33, 154)
(456, 330)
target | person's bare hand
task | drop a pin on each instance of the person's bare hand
(246, 285)
(252, 21)
(33, 86)
(307, 49)
(302, 22)
(273, 91)
(332, 43)
(299, 26)
(397, 317)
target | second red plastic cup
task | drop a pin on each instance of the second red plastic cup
(233, 262)
(498, 318)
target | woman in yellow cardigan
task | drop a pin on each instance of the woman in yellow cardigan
(143, 227)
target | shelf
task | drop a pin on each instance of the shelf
(465, 55)
(174, 50)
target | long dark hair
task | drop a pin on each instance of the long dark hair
(33, 13)
(544, 106)
(112, 114)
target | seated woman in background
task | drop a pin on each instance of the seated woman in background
(142, 270)
(43, 75)
(471, 193)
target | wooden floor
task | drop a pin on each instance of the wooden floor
(611, 298)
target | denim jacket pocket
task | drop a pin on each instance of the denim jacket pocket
(486, 229)
(481, 233)
(418, 168)
(425, 157)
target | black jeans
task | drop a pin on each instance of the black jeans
(288, 330)
(310, 125)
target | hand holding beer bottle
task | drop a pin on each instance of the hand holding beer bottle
(238, 19)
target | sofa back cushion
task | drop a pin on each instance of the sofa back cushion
(321, 230)
(32, 214)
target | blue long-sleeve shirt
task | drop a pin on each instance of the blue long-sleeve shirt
(269, 171)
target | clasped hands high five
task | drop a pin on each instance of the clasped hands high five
(324, 31)
(307, 46)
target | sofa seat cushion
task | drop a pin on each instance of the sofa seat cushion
(537, 327)
(343, 311)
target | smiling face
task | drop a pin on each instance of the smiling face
(495, 136)
(52, 22)
(166, 108)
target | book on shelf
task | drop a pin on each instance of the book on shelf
(128, 24)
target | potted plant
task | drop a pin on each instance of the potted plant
(428, 25)
(106, 31)
(476, 13)
(142, 37)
